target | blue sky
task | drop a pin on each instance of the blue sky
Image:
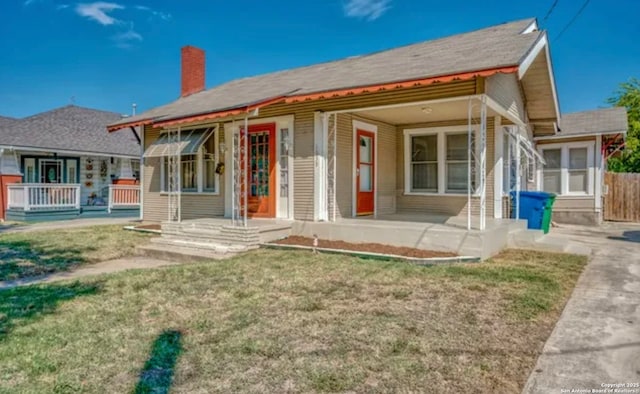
(110, 54)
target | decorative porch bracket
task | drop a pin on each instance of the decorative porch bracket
(174, 188)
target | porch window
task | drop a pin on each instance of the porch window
(197, 170)
(437, 160)
(189, 176)
(457, 163)
(209, 168)
(552, 173)
(424, 163)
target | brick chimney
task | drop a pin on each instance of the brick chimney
(192, 70)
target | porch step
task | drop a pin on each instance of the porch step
(217, 247)
(180, 254)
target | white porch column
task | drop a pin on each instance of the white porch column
(320, 176)
(483, 162)
(598, 175)
(498, 168)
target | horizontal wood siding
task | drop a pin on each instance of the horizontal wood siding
(451, 205)
(504, 89)
(566, 203)
(303, 166)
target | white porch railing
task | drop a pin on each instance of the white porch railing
(40, 196)
(124, 196)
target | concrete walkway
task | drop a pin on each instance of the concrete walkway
(597, 339)
(104, 267)
(62, 224)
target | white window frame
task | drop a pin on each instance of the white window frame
(564, 167)
(441, 133)
(200, 170)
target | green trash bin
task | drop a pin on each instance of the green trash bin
(546, 215)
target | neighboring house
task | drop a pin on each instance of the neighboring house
(399, 132)
(62, 164)
(576, 160)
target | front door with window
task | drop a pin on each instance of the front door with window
(261, 201)
(365, 173)
(50, 171)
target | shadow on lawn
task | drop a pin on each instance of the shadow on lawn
(157, 375)
(30, 302)
(23, 258)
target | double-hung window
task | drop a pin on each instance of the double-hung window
(569, 168)
(437, 161)
(552, 173)
(424, 163)
(457, 170)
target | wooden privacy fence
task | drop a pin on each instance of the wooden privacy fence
(622, 198)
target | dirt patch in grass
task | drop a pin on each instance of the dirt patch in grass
(281, 321)
(364, 247)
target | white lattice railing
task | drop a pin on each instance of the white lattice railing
(124, 196)
(40, 196)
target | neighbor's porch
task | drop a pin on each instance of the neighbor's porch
(43, 201)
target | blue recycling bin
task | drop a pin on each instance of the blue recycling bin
(532, 207)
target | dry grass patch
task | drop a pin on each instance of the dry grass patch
(281, 321)
(42, 252)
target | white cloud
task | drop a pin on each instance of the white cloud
(367, 9)
(165, 16)
(99, 11)
(63, 6)
(127, 38)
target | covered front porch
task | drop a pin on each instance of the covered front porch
(42, 201)
(452, 161)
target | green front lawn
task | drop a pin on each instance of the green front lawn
(280, 321)
(43, 252)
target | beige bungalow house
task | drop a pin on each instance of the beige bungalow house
(413, 134)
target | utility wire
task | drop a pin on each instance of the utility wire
(572, 20)
(553, 6)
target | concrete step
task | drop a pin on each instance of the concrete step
(179, 253)
(216, 247)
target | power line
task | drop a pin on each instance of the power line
(572, 20)
(553, 6)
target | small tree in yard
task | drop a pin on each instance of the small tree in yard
(628, 96)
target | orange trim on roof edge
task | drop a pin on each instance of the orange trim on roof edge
(404, 84)
(220, 114)
(111, 129)
(322, 95)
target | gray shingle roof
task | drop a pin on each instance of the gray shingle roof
(5, 120)
(70, 128)
(493, 47)
(598, 121)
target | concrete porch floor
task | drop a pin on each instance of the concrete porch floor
(421, 231)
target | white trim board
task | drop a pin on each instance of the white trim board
(372, 128)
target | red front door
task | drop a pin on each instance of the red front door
(261, 174)
(365, 172)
